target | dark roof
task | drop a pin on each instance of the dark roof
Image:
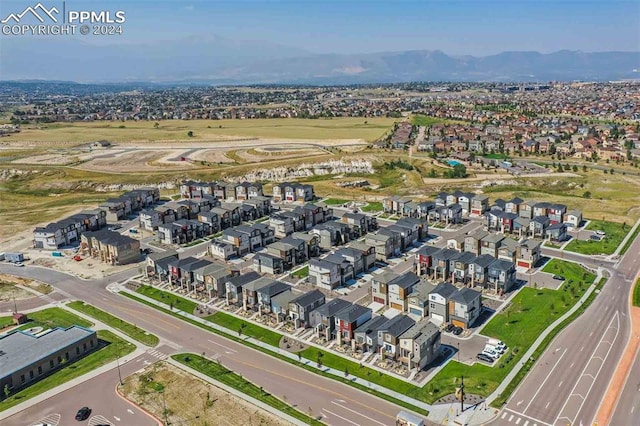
(428, 250)
(372, 325)
(445, 254)
(274, 288)
(444, 289)
(110, 237)
(465, 295)
(465, 257)
(241, 280)
(159, 255)
(308, 298)
(398, 325)
(406, 280)
(556, 226)
(180, 263)
(501, 265)
(331, 308)
(484, 260)
(190, 267)
(352, 313)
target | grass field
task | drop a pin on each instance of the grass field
(636, 294)
(426, 120)
(302, 272)
(115, 347)
(248, 329)
(169, 298)
(571, 271)
(55, 317)
(608, 245)
(131, 131)
(630, 241)
(372, 207)
(127, 328)
(229, 378)
(336, 201)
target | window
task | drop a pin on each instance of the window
(77, 350)
(66, 356)
(39, 369)
(31, 374)
(22, 379)
(84, 346)
(51, 364)
(59, 359)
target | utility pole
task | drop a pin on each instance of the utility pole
(15, 306)
(119, 374)
(462, 394)
(164, 409)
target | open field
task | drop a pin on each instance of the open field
(177, 130)
(55, 317)
(129, 329)
(21, 288)
(113, 347)
(615, 234)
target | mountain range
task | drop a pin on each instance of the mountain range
(218, 60)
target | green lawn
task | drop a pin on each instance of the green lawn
(248, 329)
(5, 322)
(55, 317)
(236, 381)
(166, 297)
(372, 207)
(572, 272)
(528, 315)
(630, 241)
(115, 347)
(496, 156)
(427, 121)
(636, 294)
(608, 245)
(336, 201)
(127, 328)
(302, 272)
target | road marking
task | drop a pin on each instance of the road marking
(504, 414)
(510, 418)
(560, 384)
(591, 334)
(117, 418)
(130, 411)
(340, 417)
(223, 346)
(581, 349)
(526, 422)
(617, 318)
(518, 421)
(632, 408)
(545, 380)
(358, 413)
(547, 406)
(571, 366)
(519, 402)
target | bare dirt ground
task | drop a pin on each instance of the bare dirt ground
(12, 287)
(187, 397)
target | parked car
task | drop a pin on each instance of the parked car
(601, 233)
(115, 227)
(449, 328)
(496, 344)
(558, 277)
(83, 414)
(492, 353)
(457, 331)
(595, 238)
(485, 358)
(18, 264)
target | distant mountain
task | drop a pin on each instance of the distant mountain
(217, 60)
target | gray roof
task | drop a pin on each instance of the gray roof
(242, 280)
(352, 313)
(501, 265)
(331, 308)
(406, 280)
(159, 255)
(421, 330)
(444, 289)
(258, 284)
(274, 288)
(308, 298)
(110, 237)
(465, 295)
(372, 325)
(283, 298)
(484, 260)
(21, 349)
(398, 325)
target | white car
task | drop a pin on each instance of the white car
(492, 353)
(18, 264)
(601, 233)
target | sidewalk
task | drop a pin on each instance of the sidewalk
(289, 355)
(235, 392)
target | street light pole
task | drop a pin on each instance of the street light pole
(164, 409)
(119, 374)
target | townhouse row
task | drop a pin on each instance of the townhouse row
(282, 192)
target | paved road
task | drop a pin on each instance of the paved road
(338, 404)
(569, 381)
(628, 406)
(97, 393)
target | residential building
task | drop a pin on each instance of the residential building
(111, 247)
(501, 276)
(389, 335)
(322, 319)
(157, 264)
(349, 319)
(439, 302)
(464, 307)
(234, 286)
(419, 345)
(529, 253)
(301, 307)
(366, 335)
(268, 264)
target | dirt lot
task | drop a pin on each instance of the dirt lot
(187, 397)
(20, 288)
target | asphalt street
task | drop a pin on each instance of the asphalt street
(569, 381)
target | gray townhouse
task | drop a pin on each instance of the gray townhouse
(267, 293)
(389, 335)
(322, 319)
(419, 345)
(479, 270)
(501, 275)
(301, 307)
(366, 335)
(332, 233)
(158, 264)
(233, 287)
(282, 225)
(439, 302)
(348, 320)
(268, 264)
(464, 307)
(368, 253)
(312, 243)
(386, 243)
(360, 223)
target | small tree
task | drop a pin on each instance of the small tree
(346, 372)
(7, 391)
(586, 194)
(190, 133)
(584, 168)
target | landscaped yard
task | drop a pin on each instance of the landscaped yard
(248, 329)
(571, 271)
(229, 378)
(636, 294)
(54, 317)
(169, 298)
(336, 201)
(372, 207)
(127, 328)
(115, 347)
(615, 233)
(302, 272)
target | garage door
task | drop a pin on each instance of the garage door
(397, 306)
(379, 300)
(437, 319)
(523, 263)
(458, 323)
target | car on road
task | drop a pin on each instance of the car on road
(484, 357)
(114, 227)
(558, 277)
(18, 264)
(83, 414)
(457, 331)
(601, 233)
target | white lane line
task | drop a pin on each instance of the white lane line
(560, 384)
(581, 349)
(221, 345)
(526, 422)
(617, 318)
(545, 380)
(632, 408)
(340, 417)
(358, 413)
(518, 421)
(547, 406)
(571, 366)
(510, 418)
(504, 414)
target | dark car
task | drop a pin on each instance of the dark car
(457, 330)
(83, 414)
(558, 277)
(596, 238)
(485, 358)
(449, 328)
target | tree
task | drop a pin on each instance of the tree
(584, 168)
(190, 133)
(7, 391)
(586, 194)
(611, 170)
(575, 168)
(346, 372)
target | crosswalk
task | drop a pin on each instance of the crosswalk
(99, 420)
(157, 354)
(51, 419)
(520, 419)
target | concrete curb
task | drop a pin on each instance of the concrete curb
(128, 401)
(235, 392)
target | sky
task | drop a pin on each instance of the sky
(474, 27)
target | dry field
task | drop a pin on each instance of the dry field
(12, 287)
(187, 397)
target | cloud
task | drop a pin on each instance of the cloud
(189, 8)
